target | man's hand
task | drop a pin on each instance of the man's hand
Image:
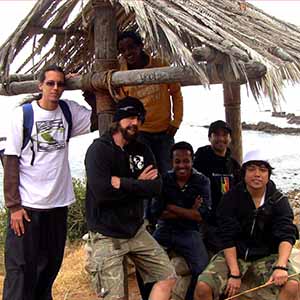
(198, 202)
(168, 215)
(16, 221)
(116, 182)
(278, 277)
(171, 130)
(233, 286)
(149, 173)
(72, 75)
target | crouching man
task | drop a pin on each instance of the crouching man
(121, 173)
(256, 229)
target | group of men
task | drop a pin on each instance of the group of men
(205, 203)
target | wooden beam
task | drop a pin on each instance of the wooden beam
(184, 75)
(232, 103)
(211, 55)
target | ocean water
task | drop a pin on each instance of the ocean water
(201, 107)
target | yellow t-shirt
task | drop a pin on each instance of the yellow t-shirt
(163, 102)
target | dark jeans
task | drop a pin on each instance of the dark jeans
(160, 143)
(33, 260)
(188, 244)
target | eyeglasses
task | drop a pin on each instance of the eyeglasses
(52, 83)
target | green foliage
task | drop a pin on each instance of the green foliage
(3, 225)
(76, 217)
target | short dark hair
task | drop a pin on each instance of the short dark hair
(132, 35)
(55, 68)
(256, 163)
(182, 146)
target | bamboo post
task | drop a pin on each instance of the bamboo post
(105, 37)
(232, 103)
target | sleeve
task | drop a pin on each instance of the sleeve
(236, 173)
(143, 188)
(81, 118)
(197, 162)
(228, 226)
(284, 230)
(177, 103)
(98, 162)
(11, 182)
(14, 138)
(205, 193)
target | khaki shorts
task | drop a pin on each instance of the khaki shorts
(105, 262)
(216, 273)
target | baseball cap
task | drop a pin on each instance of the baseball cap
(219, 124)
(128, 107)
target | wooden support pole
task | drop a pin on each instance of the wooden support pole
(232, 103)
(184, 75)
(105, 36)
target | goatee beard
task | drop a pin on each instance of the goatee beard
(128, 136)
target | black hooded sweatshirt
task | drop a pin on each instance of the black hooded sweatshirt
(255, 232)
(117, 213)
(223, 173)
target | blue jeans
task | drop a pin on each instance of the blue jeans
(189, 244)
(160, 144)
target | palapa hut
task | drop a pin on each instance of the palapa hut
(207, 41)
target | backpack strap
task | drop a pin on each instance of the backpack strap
(27, 123)
(67, 114)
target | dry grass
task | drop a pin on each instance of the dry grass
(72, 282)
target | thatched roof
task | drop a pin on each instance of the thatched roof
(61, 31)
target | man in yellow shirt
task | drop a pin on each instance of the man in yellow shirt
(163, 102)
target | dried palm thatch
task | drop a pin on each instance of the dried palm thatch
(61, 31)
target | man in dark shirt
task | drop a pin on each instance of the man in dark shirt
(185, 200)
(257, 231)
(121, 173)
(215, 162)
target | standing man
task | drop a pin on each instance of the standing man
(163, 102)
(121, 173)
(257, 230)
(215, 162)
(38, 189)
(186, 203)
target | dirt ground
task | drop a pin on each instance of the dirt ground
(73, 283)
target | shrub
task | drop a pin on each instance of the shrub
(76, 218)
(3, 225)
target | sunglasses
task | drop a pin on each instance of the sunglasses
(52, 83)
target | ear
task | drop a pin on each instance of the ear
(40, 86)
(229, 139)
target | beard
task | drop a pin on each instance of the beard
(129, 133)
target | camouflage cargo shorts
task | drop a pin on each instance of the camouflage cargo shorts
(216, 273)
(105, 261)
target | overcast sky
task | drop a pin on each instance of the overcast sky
(12, 12)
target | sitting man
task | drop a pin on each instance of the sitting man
(185, 202)
(121, 173)
(256, 229)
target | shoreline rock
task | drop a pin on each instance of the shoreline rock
(270, 128)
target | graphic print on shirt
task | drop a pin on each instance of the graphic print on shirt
(136, 163)
(224, 180)
(50, 135)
